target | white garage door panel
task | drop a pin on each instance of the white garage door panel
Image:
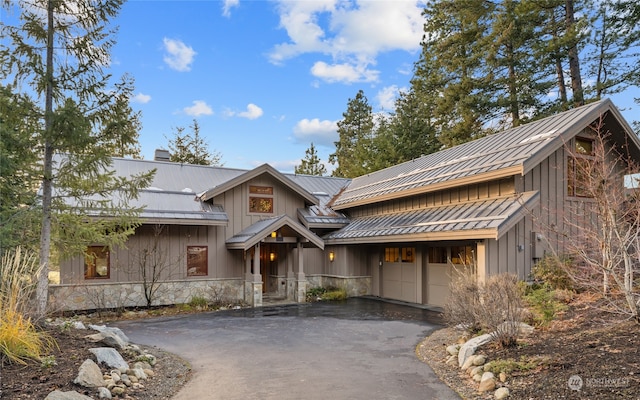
(438, 278)
(399, 282)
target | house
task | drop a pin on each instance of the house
(399, 233)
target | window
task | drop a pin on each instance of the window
(404, 254)
(261, 204)
(579, 166)
(462, 255)
(437, 255)
(197, 260)
(96, 263)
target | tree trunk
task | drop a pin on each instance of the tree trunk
(574, 62)
(42, 288)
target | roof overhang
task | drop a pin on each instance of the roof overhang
(475, 220)
(261, 232)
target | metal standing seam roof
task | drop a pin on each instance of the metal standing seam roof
(508, 151)
(482, 219)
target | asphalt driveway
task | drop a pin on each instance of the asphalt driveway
(359, 349)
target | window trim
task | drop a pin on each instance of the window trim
(573, 187)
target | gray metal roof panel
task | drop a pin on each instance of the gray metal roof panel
(510, 148)
(483, 214)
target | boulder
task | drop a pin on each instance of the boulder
(73, 395)
(109, 356)
(111, 331)
(453, 349)
(470, 346)
(89, 375)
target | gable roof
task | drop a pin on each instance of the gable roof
(481, 219)
(248, 175)
(513, 151)
(257, 232)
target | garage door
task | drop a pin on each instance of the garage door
(399, 281)
(438, 278)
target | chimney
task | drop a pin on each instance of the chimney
(162, 155)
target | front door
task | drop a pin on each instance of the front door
(268, 266)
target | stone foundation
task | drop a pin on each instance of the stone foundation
(354, 285)
(75, 297)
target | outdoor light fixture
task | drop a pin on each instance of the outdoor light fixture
(273, 234)
(272, 256)
(332, 256)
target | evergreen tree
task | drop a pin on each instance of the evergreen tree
(310, 164)
(60, 48)
(356, 131)
(413, 124)
(122, 125)
(191, 147)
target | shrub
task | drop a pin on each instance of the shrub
(503, 308)
(198, 302)
(510, 365)
(495, 306)
(553, 271)
(542, 300)
(464, 303)
(329, 293)
(19, 338)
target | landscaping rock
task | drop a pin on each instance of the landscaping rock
(108, 339)
(502, 377)
(453, 349)
(104, 393)
(487, 382)
(470, 346)
(502, 393)
(109, 356)
(480, 359)
(58, 395)
(89, 375)
(110, 331)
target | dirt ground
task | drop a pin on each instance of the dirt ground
(598, 347)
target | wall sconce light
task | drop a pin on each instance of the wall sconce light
(332, 256)
(273, 234)
(272, 256)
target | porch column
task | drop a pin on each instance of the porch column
(481, 261)
(291, 277)
(253, 280)
(301, 280)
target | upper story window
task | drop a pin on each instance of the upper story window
(579, 165)
(96, 263)
(261, 199)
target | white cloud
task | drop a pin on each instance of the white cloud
(141, 98)
(350, 32)
(387, 97)
(228, 5)
(322, 133)
(198, 108)
(343, 73)
(178, 55)
(253, 112)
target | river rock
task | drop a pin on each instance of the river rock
(89, 375)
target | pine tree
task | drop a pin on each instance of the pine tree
(191, 147)
(123, 125)
(356, 130)
(311, 164)
(60, 48)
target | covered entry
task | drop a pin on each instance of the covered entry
(268, 250)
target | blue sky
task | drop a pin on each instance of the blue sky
(263, 79)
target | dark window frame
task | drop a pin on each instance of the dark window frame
(197, 268)
(91, 266)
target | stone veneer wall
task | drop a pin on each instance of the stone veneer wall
(74, 297)
(354, 285)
